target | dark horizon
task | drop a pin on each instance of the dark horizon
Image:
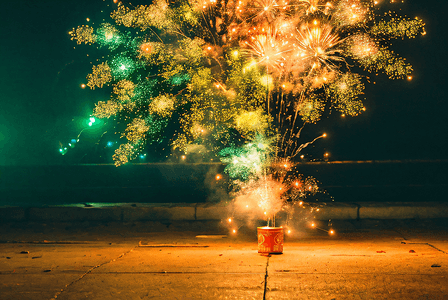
(196, 183)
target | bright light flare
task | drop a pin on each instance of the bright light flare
(312, 6)
(316, 48)
(146, 48)
(269, 48)
(350, 12)
(262, 10)
(363, 46)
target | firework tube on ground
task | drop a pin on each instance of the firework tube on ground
(270, 239)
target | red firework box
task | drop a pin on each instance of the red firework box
(270, 239)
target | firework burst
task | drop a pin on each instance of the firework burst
(317, 52)
(242, 78)
(313, 6)
(270, 50)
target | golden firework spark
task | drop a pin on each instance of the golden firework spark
(316, 47)
(270, 50)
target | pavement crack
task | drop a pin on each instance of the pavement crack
(90, 270)
(266, 279)
(436, 248)
(429, 246)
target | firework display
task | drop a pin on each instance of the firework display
(240, 79)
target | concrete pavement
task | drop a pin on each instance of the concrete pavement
(366, 259)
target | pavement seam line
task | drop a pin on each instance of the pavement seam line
(430, 246)
(436, 248)
(89, 271)
(266, 279)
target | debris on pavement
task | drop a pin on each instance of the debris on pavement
(142, 244)
(211, 236)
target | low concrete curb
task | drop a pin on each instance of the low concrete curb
(55, 214)
(160, 213)
(340, 211)
(125, 212)
(393, 210)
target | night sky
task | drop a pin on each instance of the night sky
(42, 102)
